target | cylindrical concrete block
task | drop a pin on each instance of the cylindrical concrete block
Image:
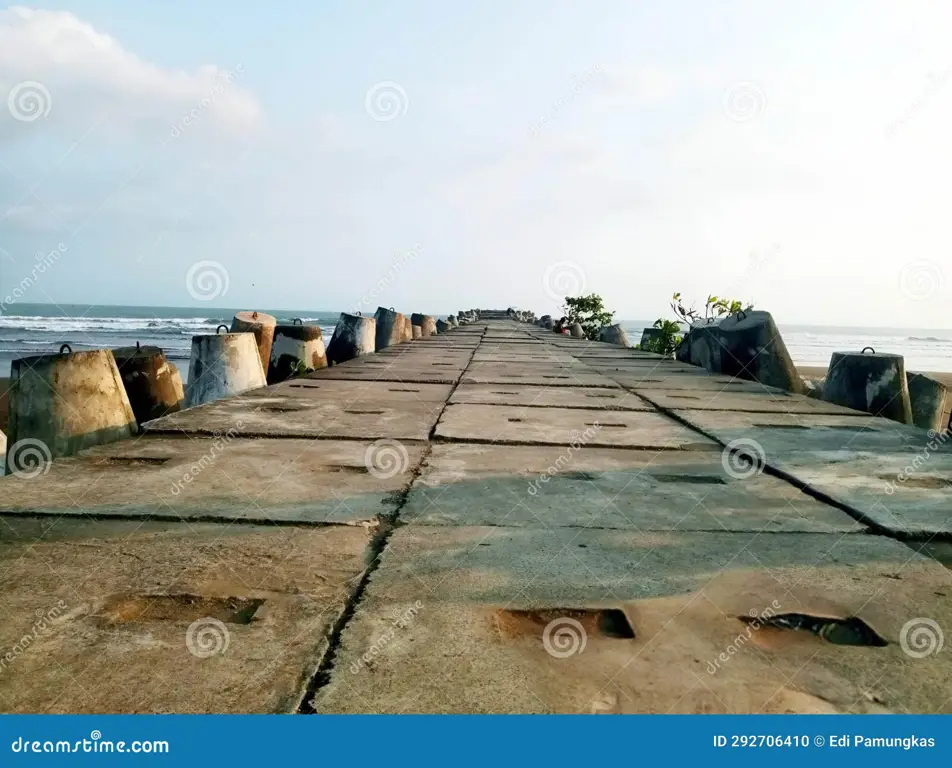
(451, 321)
(614, 334)
(869, 381)
(577, 331)
(223, 365)
(295, 346)
(390, 327)
(354, 336)
(930, 401)
(427, 324)
(149, 382)
(262, 326)
(442, 326)
(178, 385)
(4, 402)
(705, 347)
(406, 329)
(648, 336)
(752, 348)
(683, 353)
(416, 331)
(61, 404)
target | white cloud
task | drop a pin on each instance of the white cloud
(57, 71)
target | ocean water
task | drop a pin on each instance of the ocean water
(38, 329)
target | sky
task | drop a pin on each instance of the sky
(437, 156)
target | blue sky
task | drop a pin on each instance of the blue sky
(795, 154)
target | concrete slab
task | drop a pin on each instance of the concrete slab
(778, 434)
(551, 487)
(408, 374)
(563, 397)
(904, 495)
(519, 620)
(131, 617)
(750, 401)
(371, 410)
(519, 374)
(565, 426)
(701, 383)
(182, 478)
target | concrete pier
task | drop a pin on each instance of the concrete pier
(494, 519)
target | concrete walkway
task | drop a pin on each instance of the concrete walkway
(496, 519)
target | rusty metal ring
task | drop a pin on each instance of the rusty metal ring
(742, 312)
(66, 348)
(869, 348)
(220, 327)
(297, 321)
(358, 313)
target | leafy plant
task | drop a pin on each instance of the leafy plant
(301, 369)
(589, 312)
(714, 307)
(667, 341)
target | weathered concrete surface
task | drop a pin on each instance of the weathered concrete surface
(751, 347)
(160, 617)
(299, 409)
(149, 381)
(354, 335)
(391, 328)
(565, 426)
(294, 347)
(750, 401)
(563, 397)
(575, 376)
(902, 494)
(930, 401)
(874, 383)
(221, 366)
(465, 648)
(262, 326)
(699, 384)
(556, 486)
(223, 479)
